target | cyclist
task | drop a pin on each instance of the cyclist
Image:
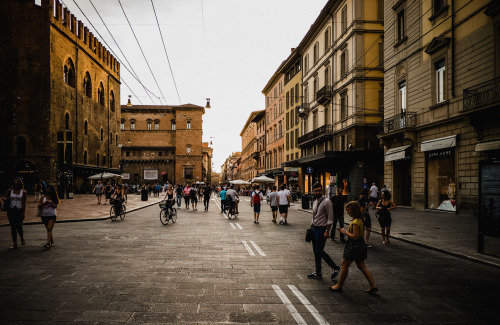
(169, 198)
(119, 198)
(223, 202)
(231, 194)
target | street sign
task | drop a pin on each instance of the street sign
(309, 170)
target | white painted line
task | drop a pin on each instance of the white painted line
(232, 226)
(295, 314)
(321, 320)
(250, 251)
(258, 248)
(238, 225)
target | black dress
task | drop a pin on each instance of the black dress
(384, 215)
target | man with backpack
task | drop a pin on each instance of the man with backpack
(255, 199)
(193, 197)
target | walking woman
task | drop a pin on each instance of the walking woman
(16, 207)
(49, 202)
(384, 207)
(355, 248)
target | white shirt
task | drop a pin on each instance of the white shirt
(282, 197)
(257, 193)
(374, 191)
(273, 199)
(16, 200)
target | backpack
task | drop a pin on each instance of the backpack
(192, 191)
(256, 198)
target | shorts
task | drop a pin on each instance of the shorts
(108, 196)
(47, 218)
(373, 200)
(256, 208)
(98, 194)
(283, 209)
(274, 208)
(194, 199)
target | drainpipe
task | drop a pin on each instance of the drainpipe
(109, 156)
(76, 108)
(453, 48)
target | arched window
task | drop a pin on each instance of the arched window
(86, 128)
(66, 121)
(97, 160)
(157, 125)
(87, 85)
(69, 73)
(85, 155)
(173, 124)
(149, 124)
(100, 94)
(102, 135)
(132, 124)
(112, 101)
(21, 146)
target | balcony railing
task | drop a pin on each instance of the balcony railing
(318, 133)
(304, 109)
(483, 94)
(324, 95)
(398, 122)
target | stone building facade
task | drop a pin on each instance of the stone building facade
(206, 166)
(60, 98)
(162, 143)
(249, 145)
(260, 136)
(441, 100)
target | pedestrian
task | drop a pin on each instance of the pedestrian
(331, 189)
(384, 188)
(48, 203)
(273, 202)
(108, 191)
(255, 198)
(268, 192)
(178, 195)
(322, 221)
(38, 191)
(364, 203)
(169, 198)
(187, 190)
(193, 197)
(222, 195)
(125, 190)
(373, 195)
(98, 189)
(355, 248)
(232, 196)
(338, 203)
(365, 184)
(384, 207)
(283, 204)
(15, 205)
(206, 196)
(118, 195)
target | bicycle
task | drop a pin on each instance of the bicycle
(122, 210)
(167, 214)
(230, 213)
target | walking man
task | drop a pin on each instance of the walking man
(193, 197)
(321, 223)
(98, 188)
(206, 196)
(255, 198)
(273, 202)
(338, 202)
(373, 195)
(222, 195)
(284, 203)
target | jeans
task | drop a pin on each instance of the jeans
(339, 217)
(222, 205)
(318, 243)
(16, 223)
(179, 200)
(206, 200)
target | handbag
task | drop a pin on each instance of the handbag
(309, 235)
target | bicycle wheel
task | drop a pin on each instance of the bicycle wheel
(122, 214)
(164, 216)
(174, 215)
(112, 214)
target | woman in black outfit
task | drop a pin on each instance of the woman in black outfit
(384, 207)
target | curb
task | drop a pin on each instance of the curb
(83, 220)
(440, 250)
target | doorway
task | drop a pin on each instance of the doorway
(402, 182)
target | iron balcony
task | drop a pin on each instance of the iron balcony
(317, 134)
(398, 122)
(482, 95)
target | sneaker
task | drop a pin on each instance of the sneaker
(314, 276)
(285, 222)
(335, 273)
(369, 246)
(274, 221)
(254, 221)
(281, 222)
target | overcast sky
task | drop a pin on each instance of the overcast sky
(225, 50)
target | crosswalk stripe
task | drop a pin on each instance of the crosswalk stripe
(250, 251)
(238, 225)
(321, 320)
(295, 314)
(258, 248)
(232, 226)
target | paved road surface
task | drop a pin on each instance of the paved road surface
(206, 269)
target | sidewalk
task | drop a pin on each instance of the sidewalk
(440, 231)
(83, 207)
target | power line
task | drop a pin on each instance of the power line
(164, 47)
(150, 70)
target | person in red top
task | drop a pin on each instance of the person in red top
(255, 198)
(187, 189)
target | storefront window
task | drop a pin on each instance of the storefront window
(441, 187)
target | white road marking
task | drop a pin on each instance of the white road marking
(238, 225)
(250, 251)
(232, 226)
(321, 320)
(295, 314)
(258, 248)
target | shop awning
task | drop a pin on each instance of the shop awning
(488, 145)
(441, 143)
(396, 153)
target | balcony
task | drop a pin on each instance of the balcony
(399, 122)
(482, 95)
(316, 135)
(304, 109)
(324, 95)
(255, 155)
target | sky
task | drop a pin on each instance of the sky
(225, 50)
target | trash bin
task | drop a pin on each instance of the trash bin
(305, 201)
(144, 195)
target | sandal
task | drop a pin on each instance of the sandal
(339, 289)
(14, 246)
(46, 245)
(371, 290)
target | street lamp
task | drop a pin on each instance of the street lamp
(208, 103)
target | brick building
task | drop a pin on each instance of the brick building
(249, 144)
(207, 164)
(60, 90)
(162, 143)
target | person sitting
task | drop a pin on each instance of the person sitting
(118, 199)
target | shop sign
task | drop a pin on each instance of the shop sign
(126, 176)
(440, 154)
(151, 174)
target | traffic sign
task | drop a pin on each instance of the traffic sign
(309, 170)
